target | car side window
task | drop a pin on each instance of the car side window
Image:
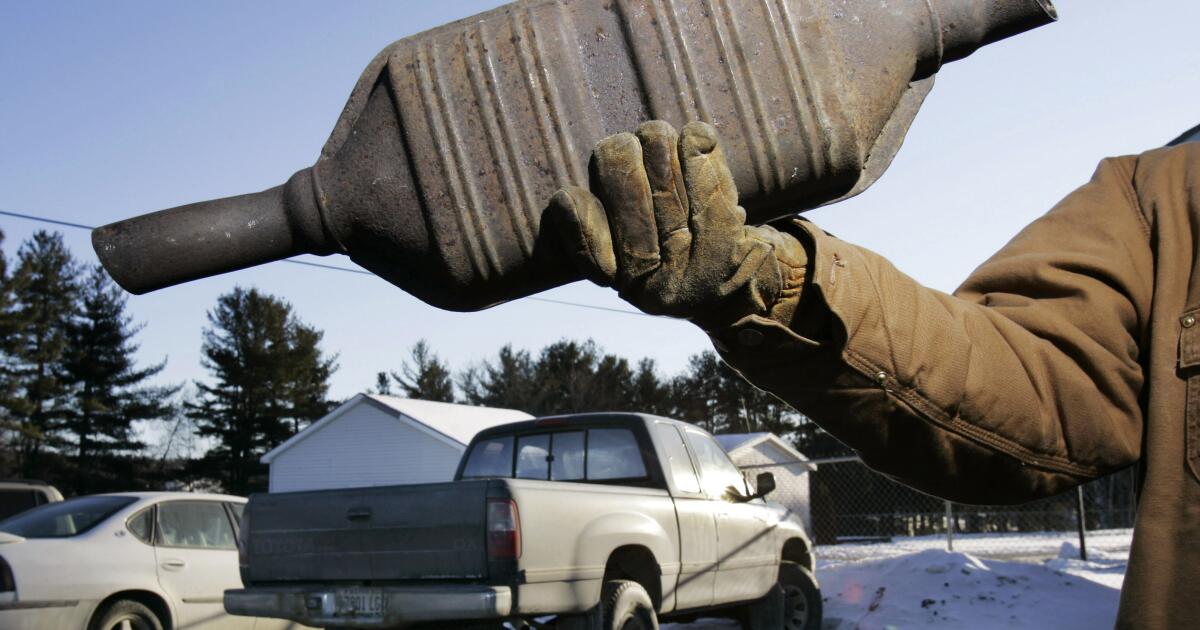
(141, 525)
(196, 524)
(237, 509)
(717, 473)
(678, 460)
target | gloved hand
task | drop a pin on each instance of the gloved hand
(668, 233)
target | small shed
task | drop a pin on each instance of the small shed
(767, 452)
(373, 440)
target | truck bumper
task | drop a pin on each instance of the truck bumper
(402, 605)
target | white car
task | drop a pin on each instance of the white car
(134, 561)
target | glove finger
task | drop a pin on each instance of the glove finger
(660, 157)
(712, 195)
(582, 225)
(620, 180)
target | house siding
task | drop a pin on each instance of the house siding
(364, 447)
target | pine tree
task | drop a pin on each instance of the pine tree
(106, 391)
(509, 382)
(425, 376)
(7, 378)
(270, 377)
(650, 394)
(383, 384)
(715, 396)
(44, 290)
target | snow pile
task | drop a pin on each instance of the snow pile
(934, 587)
(957, 590)
(1102, 566)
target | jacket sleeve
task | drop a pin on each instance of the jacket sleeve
(1023, 383)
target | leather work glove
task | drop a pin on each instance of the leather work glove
(668, 234)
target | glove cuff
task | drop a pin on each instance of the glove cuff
(787, 309)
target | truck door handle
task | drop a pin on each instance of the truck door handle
(173, 564)
(358, 514)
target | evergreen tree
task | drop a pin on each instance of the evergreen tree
(106, 391)
(696, 393)
(44, 291)
(715, 396)
(649, 393)
(7, 380)
(509, 382)
(383, 384)
(270, 377)
(425, 376)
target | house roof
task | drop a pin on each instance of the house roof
(449, 422)
(1191, 135)
(459, 422)
(733, 442)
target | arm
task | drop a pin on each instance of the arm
(1025, 382)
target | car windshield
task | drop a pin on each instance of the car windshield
(65, 519)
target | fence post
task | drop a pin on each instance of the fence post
(949, 526)
(1079, 518)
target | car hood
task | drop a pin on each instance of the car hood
(6, 538)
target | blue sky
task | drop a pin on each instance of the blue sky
(118, 108)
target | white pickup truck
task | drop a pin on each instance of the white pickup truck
(592, 521)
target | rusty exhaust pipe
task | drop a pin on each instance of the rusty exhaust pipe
(437, 173)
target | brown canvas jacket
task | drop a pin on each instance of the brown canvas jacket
(1072, 353)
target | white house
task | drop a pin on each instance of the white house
(766, 452)
(373, 440)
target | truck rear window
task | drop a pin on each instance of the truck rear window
(490, 458)
(591, 455)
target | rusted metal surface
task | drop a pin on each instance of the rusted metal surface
(437, 173)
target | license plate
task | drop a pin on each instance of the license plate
(359, 602)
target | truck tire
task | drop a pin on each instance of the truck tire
(792, 604)
(126, 613)
(624, 605)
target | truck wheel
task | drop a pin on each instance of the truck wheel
(627, 606)
(624, 605)
(126, 613)
(792, 604)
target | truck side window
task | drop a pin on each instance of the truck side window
(613, 454)
(567, 451)
(716, 471)
(533, 456)
(490, 458)
(679, 463)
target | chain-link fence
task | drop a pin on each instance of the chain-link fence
(852, 511)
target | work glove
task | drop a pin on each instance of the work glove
(665, 229)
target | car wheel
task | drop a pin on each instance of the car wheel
(624, 605)
(792, 604)
(126, 614)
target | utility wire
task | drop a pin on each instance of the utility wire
(607, 309)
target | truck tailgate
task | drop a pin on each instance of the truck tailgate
(425, 531)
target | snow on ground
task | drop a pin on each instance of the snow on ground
(1034, 546)
(957, 590)
(916, 583)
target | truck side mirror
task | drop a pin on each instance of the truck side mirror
(764, 484)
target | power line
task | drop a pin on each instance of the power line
(607, 309)
(30, 217)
